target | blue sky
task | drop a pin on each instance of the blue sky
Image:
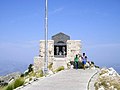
(95, 22)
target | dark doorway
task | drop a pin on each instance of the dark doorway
(60, 50)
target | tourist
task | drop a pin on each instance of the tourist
(83, 57)
(80, 57)
(84, 60)
(76, 61)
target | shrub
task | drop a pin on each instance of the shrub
(30, 68)
(50, 66)
(39, 74)
(22, 75)
(97, 66)
(59, 69)
(26, 73)
(31, 74)
(30, 79)
(92, 62)
(3, 88)
(18, 82)
(10, 87)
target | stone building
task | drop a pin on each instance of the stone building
(61, 50)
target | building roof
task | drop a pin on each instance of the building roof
(60, 37)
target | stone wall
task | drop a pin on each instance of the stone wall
(50, 48)
(39, 61)
(73, 47)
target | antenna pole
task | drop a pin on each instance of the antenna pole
(46, 37)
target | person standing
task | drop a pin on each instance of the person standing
(83, 57)
(76, 61)
(84, 60)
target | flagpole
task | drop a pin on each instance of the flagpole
(46, 37)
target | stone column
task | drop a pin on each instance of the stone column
(73, 47)
(39, 60)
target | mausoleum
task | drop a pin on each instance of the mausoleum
(61, 50)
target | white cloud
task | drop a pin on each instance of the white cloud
(57, 10)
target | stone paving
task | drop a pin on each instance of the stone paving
(93, 80)
(65, 80)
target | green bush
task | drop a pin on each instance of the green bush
(3, 88)
(10, 87)
(30, 79)
(39, 74)
(22, 75)
(50, 66)
(32, 74)
(59, 69)
(30, 68)
(26, 73)
(18, 82)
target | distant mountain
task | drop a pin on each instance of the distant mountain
(8, 66)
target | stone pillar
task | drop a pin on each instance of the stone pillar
(39, 61)
(73, 47)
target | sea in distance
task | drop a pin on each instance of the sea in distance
(10, 67)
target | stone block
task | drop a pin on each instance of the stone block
(59, 62)
(73, 47)
(50, 48)
(38, 63)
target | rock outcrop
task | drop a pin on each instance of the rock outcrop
(108, 79)
(4, 80)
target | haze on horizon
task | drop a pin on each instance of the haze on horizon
(95, 22)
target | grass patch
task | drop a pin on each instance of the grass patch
(39, 74)
(59, 69)
(50, 66)
(18, 82)
(3, 88)
(32, 74)
(10, 87)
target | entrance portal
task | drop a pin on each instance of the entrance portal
(60, 46)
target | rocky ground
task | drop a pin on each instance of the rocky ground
(108, 79)
(96, 79)
(5, 80)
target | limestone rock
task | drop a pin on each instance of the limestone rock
(109, 79)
